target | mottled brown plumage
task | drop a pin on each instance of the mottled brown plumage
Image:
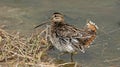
(68, 38)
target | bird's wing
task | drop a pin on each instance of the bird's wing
(70, 35)
(70, 31)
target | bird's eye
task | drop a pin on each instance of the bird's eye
(55, 16)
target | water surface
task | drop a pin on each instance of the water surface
(24, 15)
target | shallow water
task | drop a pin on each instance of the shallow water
(24, 15)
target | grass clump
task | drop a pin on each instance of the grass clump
(23, 51)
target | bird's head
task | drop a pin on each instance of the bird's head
(57, 17)
(91, 26)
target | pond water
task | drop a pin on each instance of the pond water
(24, 15)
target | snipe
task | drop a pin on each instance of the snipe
(68, 38)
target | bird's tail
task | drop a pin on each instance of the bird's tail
(91, 26)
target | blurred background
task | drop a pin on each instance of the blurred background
(23, 15)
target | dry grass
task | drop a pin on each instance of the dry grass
(20, 50)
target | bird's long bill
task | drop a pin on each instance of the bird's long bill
(41, 24)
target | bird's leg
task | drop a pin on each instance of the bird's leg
(59, 55)
(71, 57)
